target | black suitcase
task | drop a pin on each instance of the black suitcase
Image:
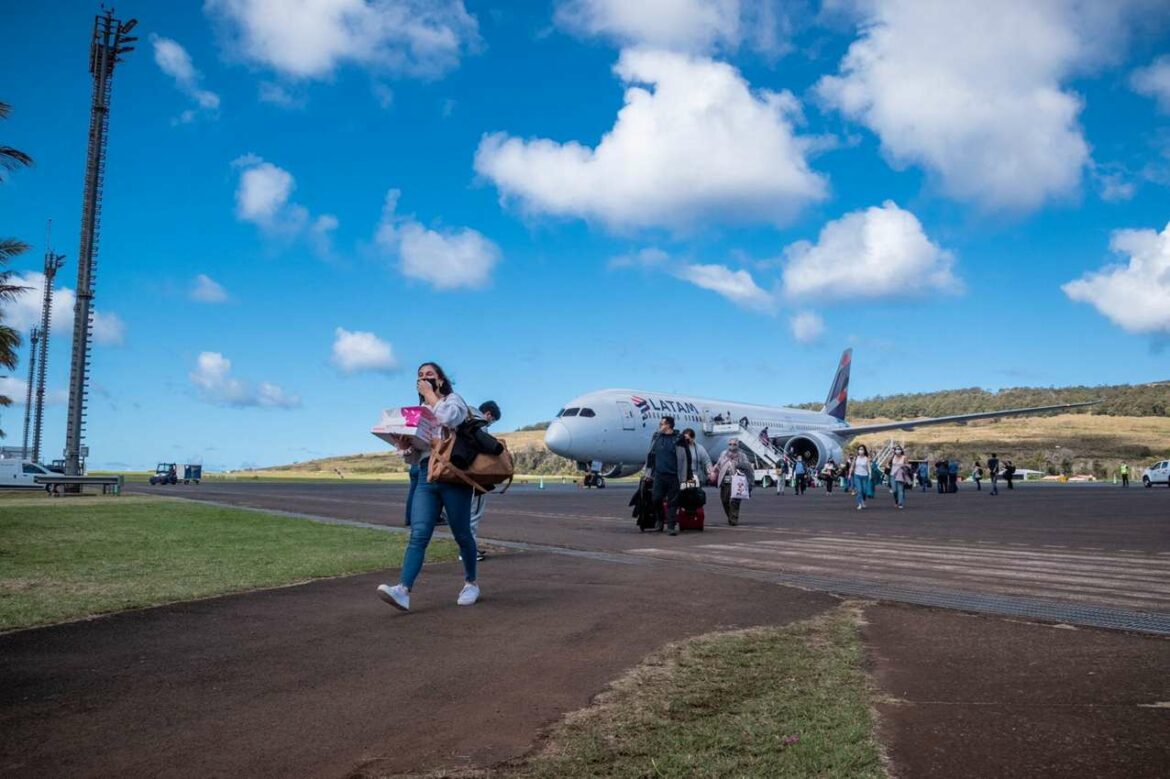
(645, 512)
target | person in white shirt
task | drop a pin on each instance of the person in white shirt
(859, 471)
(431, 498)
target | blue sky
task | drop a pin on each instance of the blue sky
(702, 196)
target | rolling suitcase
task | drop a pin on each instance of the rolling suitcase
(644, 511)
(691, 519)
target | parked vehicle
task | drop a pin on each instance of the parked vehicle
(192, 473)
(21, 475)
(1158, 473)
(165, 473)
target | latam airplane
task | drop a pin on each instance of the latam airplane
(615, 426)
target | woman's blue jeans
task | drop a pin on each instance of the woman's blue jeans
(861, 487)
(414, 476)
(899, 492)
(429, 499)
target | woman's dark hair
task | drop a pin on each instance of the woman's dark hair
(863, 446)
(444, 388)
(689, 432)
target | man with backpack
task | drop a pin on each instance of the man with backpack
(490, 412)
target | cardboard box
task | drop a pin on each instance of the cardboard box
(417, 422)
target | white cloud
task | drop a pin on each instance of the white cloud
(174, 60)
(699, 146)
(212, 377)
(876, 253)
(738, 286)
(207, 290)
(310, 40)
(354, 352)
(446, 259)
(17, 390)
(1154, 81)
(278, 94)
(1134, 295)
(807, 327)
(24, 312)
(971, 90)
(383, 94)
(263, 197)
(697, 26)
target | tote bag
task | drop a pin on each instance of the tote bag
(739, 487)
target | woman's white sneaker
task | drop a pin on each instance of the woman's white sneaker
(397, 596)
(468, 595)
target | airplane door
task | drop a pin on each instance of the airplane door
(627, 412)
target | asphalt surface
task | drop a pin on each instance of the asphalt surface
(1094, 555)
(323, 679)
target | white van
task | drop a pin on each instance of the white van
(1158, 473)
(21, 474)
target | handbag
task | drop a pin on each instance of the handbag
(739, 487)
(483, 472)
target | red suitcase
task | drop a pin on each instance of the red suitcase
(691, 520)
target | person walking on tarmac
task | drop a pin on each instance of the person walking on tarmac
(799, 474)
(490, 411)
(977, 476)
(732, 461)
(1009, 473)
(699, 457)
(431, 498)
(859, 475)
(993, 473)
(1125, 474)
(924, 475)
(900, 476)
(667, 453)
(829, 475)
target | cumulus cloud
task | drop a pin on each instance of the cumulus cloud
(207, 290)
(360, 351)
(263, 197)
(213, 379)
(17, 390)
(1154, 81)
(278, 94)
(738, 286)
(644, 258)
(1135, 294)
(807, 327)
(693, 143)
(971, 90)
(424, 38)
(697, 26)
(880, 252)
(445, 258)
(24, 312)
(174, 60)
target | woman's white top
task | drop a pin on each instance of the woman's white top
(861, 465)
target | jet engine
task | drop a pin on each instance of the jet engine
(816, 448)
(612, 470)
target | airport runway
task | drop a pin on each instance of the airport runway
(1094, 555)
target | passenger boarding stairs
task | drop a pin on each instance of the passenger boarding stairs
(768, 455)
(887, 452)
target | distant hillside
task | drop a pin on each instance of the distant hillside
(1126, 400)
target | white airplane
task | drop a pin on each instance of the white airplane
(615, 426)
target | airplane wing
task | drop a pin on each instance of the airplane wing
(910, 424)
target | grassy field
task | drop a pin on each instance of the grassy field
(69, 558)
(776, 702)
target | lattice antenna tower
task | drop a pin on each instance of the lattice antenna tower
(33, 336)
(110, 41)
(53, 263)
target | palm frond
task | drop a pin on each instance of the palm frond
(10, 247)
(9, 343)
(11, 159)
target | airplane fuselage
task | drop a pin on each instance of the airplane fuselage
(615, 426)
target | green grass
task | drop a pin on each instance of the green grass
(769, 702)
(71, 557)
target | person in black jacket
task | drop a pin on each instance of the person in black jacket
(667, 460)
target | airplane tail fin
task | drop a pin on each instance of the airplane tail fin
(838, 397)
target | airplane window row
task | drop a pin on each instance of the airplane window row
(572, 412)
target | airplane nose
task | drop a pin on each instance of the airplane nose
(558, 439)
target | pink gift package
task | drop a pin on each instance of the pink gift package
(415, 421)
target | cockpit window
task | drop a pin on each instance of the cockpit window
(571, 412)
(587, 412)
(559, 413)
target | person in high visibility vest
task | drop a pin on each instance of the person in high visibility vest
(1125, 474)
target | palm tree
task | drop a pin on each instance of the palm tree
(10, 159)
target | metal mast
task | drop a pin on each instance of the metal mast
(33, 337)
(110, 39)
(53, 263)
